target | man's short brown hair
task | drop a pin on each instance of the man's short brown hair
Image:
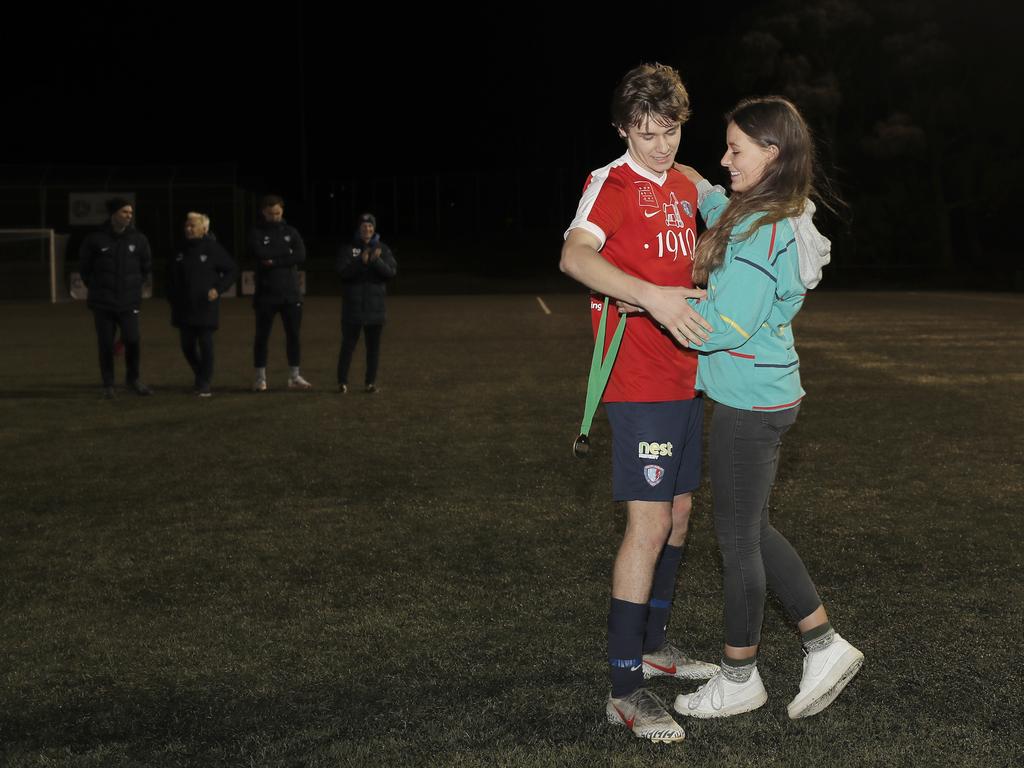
(650, 92)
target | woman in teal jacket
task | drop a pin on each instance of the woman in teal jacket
(751, 262)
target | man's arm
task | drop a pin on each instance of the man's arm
(298, 248)
(227, 271)
(276, 253)
(145, 258)
(86, 254)
(256, 248)
(383, 262)
(667, 305)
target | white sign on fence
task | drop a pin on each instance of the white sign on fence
(90, 208)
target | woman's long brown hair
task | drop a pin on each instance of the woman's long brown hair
(782, 190)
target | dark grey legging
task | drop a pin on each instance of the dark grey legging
(744, 456)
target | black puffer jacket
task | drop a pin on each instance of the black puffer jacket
(363, 285)
(114, 267)
(280, 244)
(200, 265)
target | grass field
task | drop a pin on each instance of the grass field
(421, 577)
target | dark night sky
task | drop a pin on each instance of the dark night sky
(153, 85)
(384, 91)
(915, 100)
(159, 83)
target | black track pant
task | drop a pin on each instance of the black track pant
(197, 346)
(291, 318)
(107, 323)
(349, 339)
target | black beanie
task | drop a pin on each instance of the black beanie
(369, 218)
(115, 204)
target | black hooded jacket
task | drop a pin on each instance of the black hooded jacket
(114, 266)
(363, 285)
(280, 244)
(200, 265)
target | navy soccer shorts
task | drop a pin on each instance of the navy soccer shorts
(656, 448)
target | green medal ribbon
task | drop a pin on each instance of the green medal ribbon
(600, 371)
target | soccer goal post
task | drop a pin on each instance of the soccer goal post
(32, 264)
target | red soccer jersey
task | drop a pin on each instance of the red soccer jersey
(646, 225)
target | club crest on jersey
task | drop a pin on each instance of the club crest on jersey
(672, 218)
(647, 198)
(287, 238)
(653, 474)
(202, 257)
(131, 248)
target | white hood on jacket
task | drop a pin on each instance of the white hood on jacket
(813, 248)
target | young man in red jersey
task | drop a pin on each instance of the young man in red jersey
(633, 240)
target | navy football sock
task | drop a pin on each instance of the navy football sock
(626, 623)
(661, 596)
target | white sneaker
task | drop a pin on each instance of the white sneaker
(297, 382)
(719, 697)
(670, 661)
(259, 385)
(643, 713)
(826, 673)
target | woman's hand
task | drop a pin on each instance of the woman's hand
(689, 172)
(668, 306)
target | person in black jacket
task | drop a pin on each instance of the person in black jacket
(196, 278)
(277, 250)
(115, 261)
(365, 265)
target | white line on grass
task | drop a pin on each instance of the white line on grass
(543, 306)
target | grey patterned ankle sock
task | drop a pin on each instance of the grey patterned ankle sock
(738, 670)
(818, 638)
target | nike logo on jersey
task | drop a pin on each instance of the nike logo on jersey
(651, 215)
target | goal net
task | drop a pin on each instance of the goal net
(32, 264)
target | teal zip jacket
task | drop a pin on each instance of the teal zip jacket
(749, 361)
